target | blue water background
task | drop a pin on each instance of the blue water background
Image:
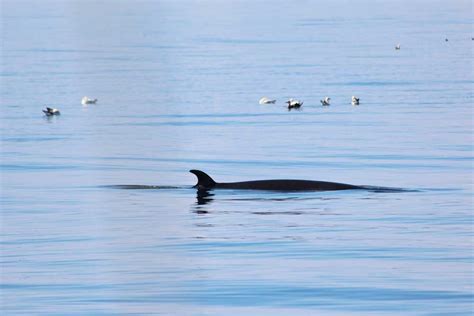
(178, 84)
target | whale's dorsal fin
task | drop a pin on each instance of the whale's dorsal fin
(204, 181)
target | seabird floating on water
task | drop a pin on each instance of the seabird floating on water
(326, 101)
(355, 101)
(294, 104)
(86, 100)
(266, 100)
(397, 47)
(51, 111)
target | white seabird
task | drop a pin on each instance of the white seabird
(51, 111)
(294, 104)
(355, 101)
(397, 47)
(325, 101)
(266, 100)
(86, 100)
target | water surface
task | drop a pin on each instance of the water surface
(178, 85)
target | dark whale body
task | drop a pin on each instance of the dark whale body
(205, 182)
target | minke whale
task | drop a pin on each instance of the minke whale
(205, 182)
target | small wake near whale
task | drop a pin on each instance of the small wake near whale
(144, 187)
(377, 189)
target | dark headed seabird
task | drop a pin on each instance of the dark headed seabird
(294, 104)
(51, 111)
(266, 100)
(355, 100)
(326, 101)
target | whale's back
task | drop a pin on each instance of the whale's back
(287, 185)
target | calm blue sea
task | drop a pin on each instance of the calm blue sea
(178, 84)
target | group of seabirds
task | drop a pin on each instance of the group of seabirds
(292, 103)
(52, 111)
(296, 104)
